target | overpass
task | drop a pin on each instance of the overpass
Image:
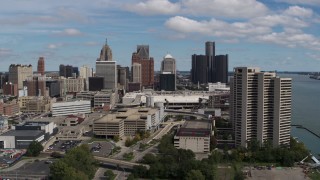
(179, 112)
(117, 162)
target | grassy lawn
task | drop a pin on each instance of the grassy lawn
(95, 139)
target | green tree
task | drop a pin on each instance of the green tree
(149, 159)
(195, 175)
(139, 171)
(78, 161)
(34, 149)
(62, 171)
(116, 138)
(109, 174)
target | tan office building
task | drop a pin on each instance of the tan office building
(260, 107)
(18, 73)
(126, 122)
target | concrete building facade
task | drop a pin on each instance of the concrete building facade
(72, 107)
(260, 107)
(18, 73)
(194, 135)
(126, 122)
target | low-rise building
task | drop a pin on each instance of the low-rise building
(33, 104)
(9, 108)
(194, 135)
(10, 89)
(102, 99)
(69, 108)
(70, 133)
(126, 122)
(20, 139)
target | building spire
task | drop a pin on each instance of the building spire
(106, 41)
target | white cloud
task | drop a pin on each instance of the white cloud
(290, 39)
(215, 27)
(70, 32)
(52, 46)
(56, 45)
(283, 28)
(279, 19)
(225, 8)
(220, 8)
(153, 7)
(307, 2)
(298, 11)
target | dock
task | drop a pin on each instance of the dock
(302, 127)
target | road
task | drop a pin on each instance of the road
(139, 155)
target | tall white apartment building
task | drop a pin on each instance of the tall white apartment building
(260, 107)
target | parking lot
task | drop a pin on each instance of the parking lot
(101, 148)
(63, 145)
(295, 173)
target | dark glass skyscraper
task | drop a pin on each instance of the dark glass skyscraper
(209, 68)
(210, 53)
(199, 72)
(221, 64)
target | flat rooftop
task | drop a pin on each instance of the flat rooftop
(197, 124)
(127, 114)
(195, 128)
(20, 133)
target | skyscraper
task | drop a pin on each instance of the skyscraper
(216, 67)
(85, 72)
(210, 53)
(36, 85)
(168, 64)
(122, 76)
(260, 107)
(168, 73)
(107, 70)
(41, 66)
(221, 68)
(147, 65)
(105, 53)
(143, 51)
(199, 71)
(18, 73)
(136, 73)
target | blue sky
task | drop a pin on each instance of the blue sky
(271, 34)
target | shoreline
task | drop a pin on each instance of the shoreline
(302, 127)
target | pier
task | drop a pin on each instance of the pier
(302, 127)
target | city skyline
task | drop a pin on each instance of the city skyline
(274, 35)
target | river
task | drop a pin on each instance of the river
(306, 110)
